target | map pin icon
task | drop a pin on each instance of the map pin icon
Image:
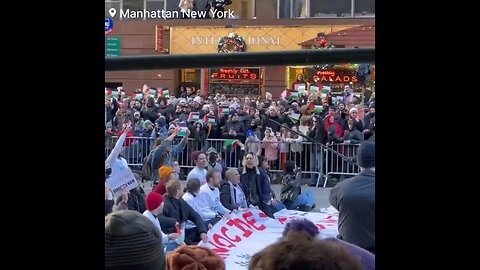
(112, 12)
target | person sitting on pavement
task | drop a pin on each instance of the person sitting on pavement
(177, 208)
(231, 193)
(199, 172)
(291, 193)
(208, 202)
(154, 204)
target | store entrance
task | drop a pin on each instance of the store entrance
(237, 82)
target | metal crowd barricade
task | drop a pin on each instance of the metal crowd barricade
(337, 165)
(315, 160)
(135, 149)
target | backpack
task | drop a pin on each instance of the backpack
(147, 167)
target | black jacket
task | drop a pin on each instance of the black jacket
(226, 196)
(354, 198)
(182, 214)
(136, 200)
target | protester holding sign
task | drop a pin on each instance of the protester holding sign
(166, 154)
(121, 175)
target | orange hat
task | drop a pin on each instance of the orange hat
(164, 172)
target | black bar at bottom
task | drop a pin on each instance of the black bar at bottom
(246, 59)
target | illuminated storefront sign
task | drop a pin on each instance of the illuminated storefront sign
(335, 76)
(235, 74)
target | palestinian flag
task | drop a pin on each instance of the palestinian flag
(288, 94)
(152, 92)
(137, 96)
(300, 88)
(164, 93)
(193, 117)
(314, 89)
(209, 119)
(325, 90)
(112, 94)
(318, 109)
(227, 143)
(183, 131)
(223, 110)
(294, 117)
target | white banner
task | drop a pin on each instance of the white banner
(120, 179)
(245, 233)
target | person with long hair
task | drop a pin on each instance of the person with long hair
(251, 179)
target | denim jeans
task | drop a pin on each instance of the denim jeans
(277, 207)
(307, 198)
(316, 165)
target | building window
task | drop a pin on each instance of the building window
(242, 9)
(266, 9)
(154, 5)
(133, 5)
(331, 8)
(364, 8)
(112, 4)
(289, 9)
(190, 75)
(172, 5)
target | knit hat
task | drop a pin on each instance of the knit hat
(353, 110)
(132, 242)
(153, 201)
(148, 122)
(164, 172)
(136, 113)
(109, 125)
(232, 112)
(366, 155)
(194, 257)
(197, 99)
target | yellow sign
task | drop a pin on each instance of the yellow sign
(192, 40)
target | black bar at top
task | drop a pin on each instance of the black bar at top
(241, 59)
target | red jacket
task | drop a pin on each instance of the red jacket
(128, 142)
(338, 129)
(160, 188)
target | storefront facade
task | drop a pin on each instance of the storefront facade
(155, 37)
